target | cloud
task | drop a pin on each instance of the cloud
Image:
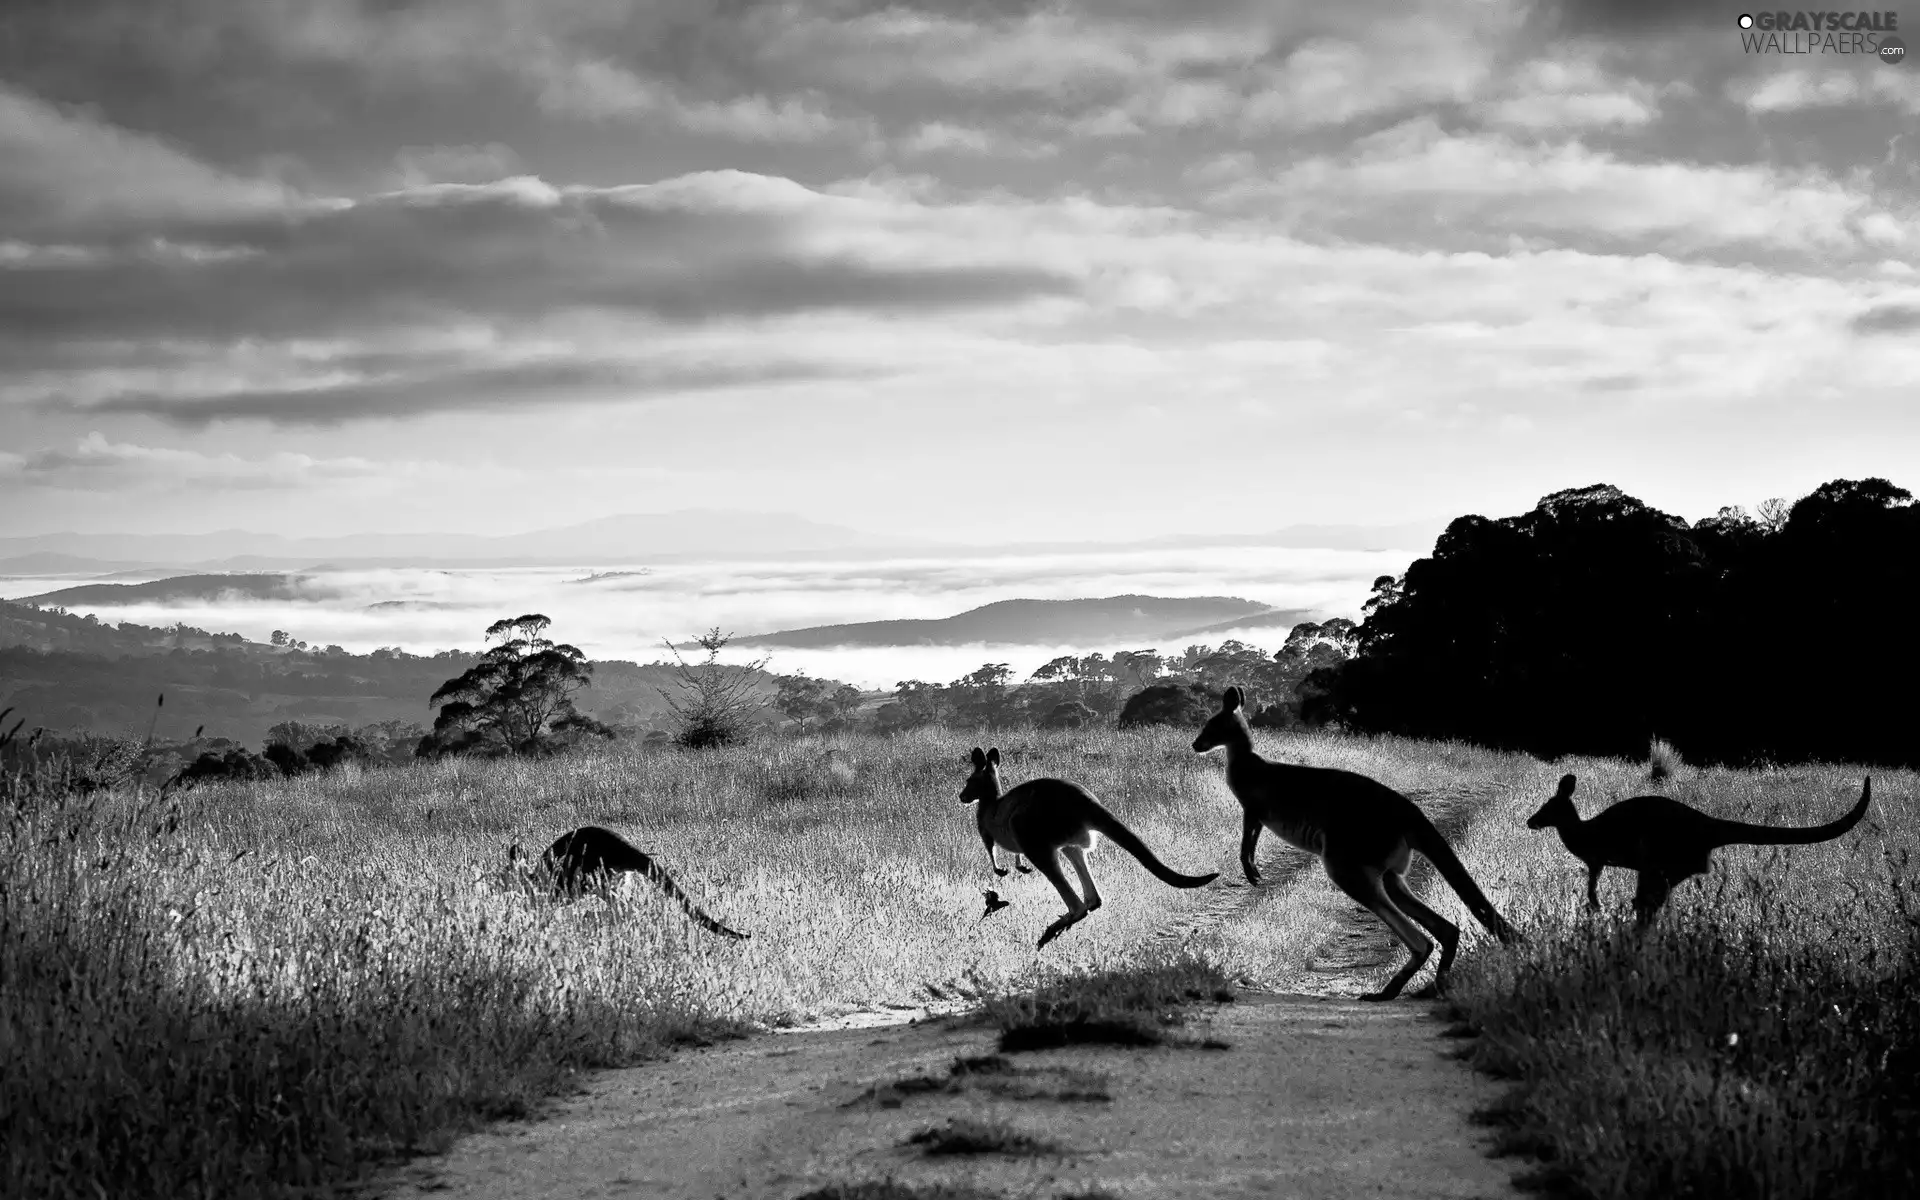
(96, 463)
(423, 166)
(695, 248)
(1409, 63)
(66, 169)
(1629, 18)
(1887, 318)
(479, 388)
(942, 137)
(1434, 185)
(1569, 92)
(1799, 89)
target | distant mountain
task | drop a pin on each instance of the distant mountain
(616, 540)
(1273, 618)
(181, 588)
(46, 562)
(623, 538)
(1033, 622)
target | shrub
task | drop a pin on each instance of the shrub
(1169, 704)
(1069, 714)
(717, 703)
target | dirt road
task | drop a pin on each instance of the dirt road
(1314, 1096)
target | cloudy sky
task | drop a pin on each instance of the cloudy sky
(962, 268)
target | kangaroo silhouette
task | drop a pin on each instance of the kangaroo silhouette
(1664, 840)
(1363, 831)
(589, 856)
(1051, 819)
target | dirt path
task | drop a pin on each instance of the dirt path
(1316, 1095)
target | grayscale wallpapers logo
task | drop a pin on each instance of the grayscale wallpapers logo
(1873, 33)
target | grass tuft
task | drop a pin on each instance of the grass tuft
(996, 1074)
(1663, 761)
(1129, 1007)
(888, 1189)
(966, 1135)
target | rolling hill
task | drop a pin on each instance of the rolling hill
(1098, 622)
(179, 588)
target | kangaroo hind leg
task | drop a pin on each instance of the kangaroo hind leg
(1443, 930)
(1364, 884)
(1077, 855)
(1048, 861)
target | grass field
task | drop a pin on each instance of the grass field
(256, 989)
(1762, 1039)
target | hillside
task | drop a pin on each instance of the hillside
(178, 588)
(1035, 622)
(73, 673)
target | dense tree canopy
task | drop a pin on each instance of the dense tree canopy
(1596, 622)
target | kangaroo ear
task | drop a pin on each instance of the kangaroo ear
(1566, 785)
(979, 758)
(1230, 699)
(993, 756)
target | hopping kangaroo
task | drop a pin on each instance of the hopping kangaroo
(1665, 840)
(1047, 819)
(591, 855)
(1364, 833)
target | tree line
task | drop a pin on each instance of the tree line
(1595, 623)
(1128, 687)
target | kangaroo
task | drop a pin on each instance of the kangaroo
(1664, 840)
(1046, 819)
(1364, 833)
(591, 855)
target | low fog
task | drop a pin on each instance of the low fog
(625, 612)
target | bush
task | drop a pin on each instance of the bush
(1170, 704)
(717, 703)
(1069, 714)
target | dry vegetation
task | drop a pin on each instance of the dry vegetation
(1762, 1040)
(254, 989)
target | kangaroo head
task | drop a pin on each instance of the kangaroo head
(984, 783)
(1558, 810)
(1227, 726)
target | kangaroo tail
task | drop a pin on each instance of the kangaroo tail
(1728, 833)
(658, 874)
(1429, 841)
(1109, 826)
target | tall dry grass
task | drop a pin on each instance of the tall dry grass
(1762, 1039)
(256, 989)
(259, 988)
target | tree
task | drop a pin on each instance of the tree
(1169, 704)
(846, 701)
(982, 697)
(919, 703)
(1136, 668)
(1064, 668)
(1234, 662)
(518, 699)
(279, 637)
(1596, 623)
(802, 699)
(716, 703)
